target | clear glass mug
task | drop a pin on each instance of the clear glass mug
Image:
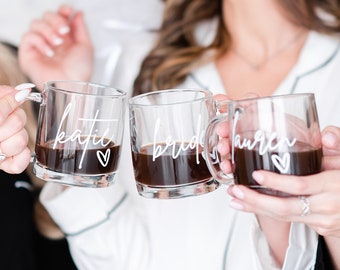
(80, 131)
(167, 134)
(277, 133)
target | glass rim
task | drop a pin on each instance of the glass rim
(50, 86)
(133, 101)
(273, 97)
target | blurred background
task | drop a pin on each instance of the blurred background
(112, 24)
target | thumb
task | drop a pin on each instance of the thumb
(331, 140)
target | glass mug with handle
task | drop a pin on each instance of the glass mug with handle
(278, 133)
(80, 130)
(167, 130)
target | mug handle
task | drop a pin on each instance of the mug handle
(211, 154)
(36, 97)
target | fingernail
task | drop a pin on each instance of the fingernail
(64, 30)
(49, 53)
(24, 86)
(258, 177)
(22, 95)
(57, 41)
(236, 205)
(330, 138)
(238, 192)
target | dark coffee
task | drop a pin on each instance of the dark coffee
(67, 158)
(167, 171)
(304, 161)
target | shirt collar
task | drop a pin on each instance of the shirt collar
(318, 50)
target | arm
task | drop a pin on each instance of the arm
(103, 226)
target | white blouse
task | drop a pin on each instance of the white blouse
(115, 228)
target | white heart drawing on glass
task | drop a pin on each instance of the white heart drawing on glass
(281, 163)
(104, 158)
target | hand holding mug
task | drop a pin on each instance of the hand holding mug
(321, 192)
(279, 134)
(14, 153)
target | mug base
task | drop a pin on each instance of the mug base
(176, 192)
(79, 180)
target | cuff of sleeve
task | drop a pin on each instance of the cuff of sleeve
(301, 252)
(78, 208)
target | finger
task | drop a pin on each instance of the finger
(47, 32)
(12, 100)
(66, 10)
(248, 200)
(33, 42)
(13, 124)
(226, 166)
(331, 140)
(222, 105)
(5, 90)
(223, 129)
(223, 147)
(67, 20)
(59, 23)
(291, 209)
(16, 164)
(320, 212)
(221, 97)
(324, 182)
(291, 184)
(323, 214)
(331, 162)
(80, 31)
(14, 144)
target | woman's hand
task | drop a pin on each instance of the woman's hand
(57, 47)
(14, 153)
(320, 202)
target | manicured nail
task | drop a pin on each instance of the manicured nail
(57, 41)
(258, 177)
(238, 192)
(24, 86)
(49, 53)
(236, 205)
(22, 95)
(64, 30)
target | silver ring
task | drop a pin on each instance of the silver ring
(305, 206)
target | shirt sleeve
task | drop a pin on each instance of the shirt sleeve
(301, 252)
(103, 226)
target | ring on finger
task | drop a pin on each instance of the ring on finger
(305, 206)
